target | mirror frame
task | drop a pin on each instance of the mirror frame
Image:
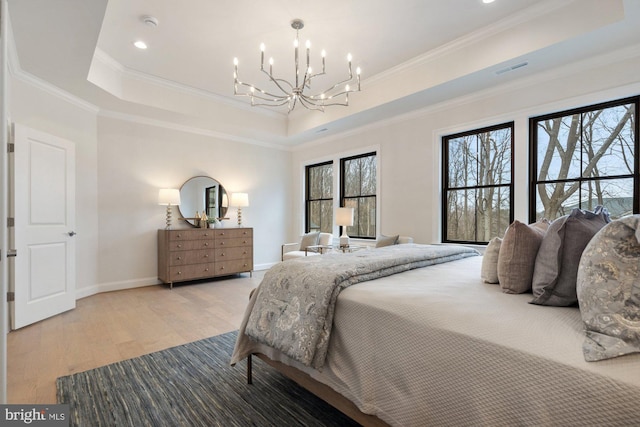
(190, 196)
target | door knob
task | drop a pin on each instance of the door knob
(71, 233)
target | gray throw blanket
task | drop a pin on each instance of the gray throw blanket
(294, 306)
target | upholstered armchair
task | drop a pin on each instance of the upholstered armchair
(301, 248)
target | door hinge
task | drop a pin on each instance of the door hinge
(11, 222)
(11, 147)
(11, 296)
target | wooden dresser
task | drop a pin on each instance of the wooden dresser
(200, 253)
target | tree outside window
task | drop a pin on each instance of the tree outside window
(359, 192)
(585, 157)
(477, 184)
(319, 198)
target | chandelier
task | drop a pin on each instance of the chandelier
(284, 92)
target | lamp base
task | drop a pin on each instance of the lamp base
(344, 241)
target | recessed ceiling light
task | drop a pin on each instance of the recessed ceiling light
(140, 44)
(487, 1)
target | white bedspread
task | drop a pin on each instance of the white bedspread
(436, 346)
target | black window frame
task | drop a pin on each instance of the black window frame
(446, 187)
(533, 153)
(351, 231)
(308, 200)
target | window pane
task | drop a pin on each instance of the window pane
(368, 176)
(326, 220)
(558, 148)
(313, 209)
(462, 155)
(321, 182)
(495, 157)
(492, 212)
(608, 142)
(351, 178)
(615, 194)
(461, 218)
(364, 217)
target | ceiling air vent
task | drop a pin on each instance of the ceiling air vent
(512, 67)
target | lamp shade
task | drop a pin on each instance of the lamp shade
(239, 200)
(169, 196)
(344, 216)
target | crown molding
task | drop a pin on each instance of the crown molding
(187, 129)
(129, 73)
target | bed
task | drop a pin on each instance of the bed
(436, 346)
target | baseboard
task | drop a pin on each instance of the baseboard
(136, 283)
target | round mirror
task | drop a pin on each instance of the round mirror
(202, 194)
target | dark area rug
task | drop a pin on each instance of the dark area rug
(191, 385)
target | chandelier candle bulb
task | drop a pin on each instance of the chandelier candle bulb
(262, 56)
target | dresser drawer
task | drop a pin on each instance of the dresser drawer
(232, 253)
(191, 257)
(196, 234)
(190, 245)
(190, 272)
(231, 242)
(226, 233)
(231, 267)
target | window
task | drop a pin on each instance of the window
(477, 196)
(583, 158)
(319, 198)
(358, 191)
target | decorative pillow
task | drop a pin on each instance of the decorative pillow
(386, 241)
(609, 290)
(556, 267)
(309, 239)
(489, 272)
(518, 255)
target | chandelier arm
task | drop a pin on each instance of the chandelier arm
(327, 101)
(258, 91)
(276, 82)
(310, 105)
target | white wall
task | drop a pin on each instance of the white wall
(410, 155)
(135, 160)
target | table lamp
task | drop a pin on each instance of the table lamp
(169, 197)
(239, 200)
(344, 218)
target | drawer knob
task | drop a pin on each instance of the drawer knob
(206, 234)
(222, 254)
(179, 246)
(206, 269)
(221, 243)
(179, 258)
(179, 273)
(206, 255)
(178, 235)
(206, 244)
(222, 268)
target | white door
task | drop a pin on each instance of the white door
(44, 212)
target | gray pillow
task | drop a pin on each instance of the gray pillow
(489, 271)
(309, 239)
(556, 267)
(386, 241)
(518, 255)
(608, 288)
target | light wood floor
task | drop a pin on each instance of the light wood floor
(114, 326)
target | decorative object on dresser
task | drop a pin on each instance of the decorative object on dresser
(239, 200)
(203, 253)
(344, 218)
(202, 195)
(168, 197)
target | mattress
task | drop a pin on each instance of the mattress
(436, 346)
